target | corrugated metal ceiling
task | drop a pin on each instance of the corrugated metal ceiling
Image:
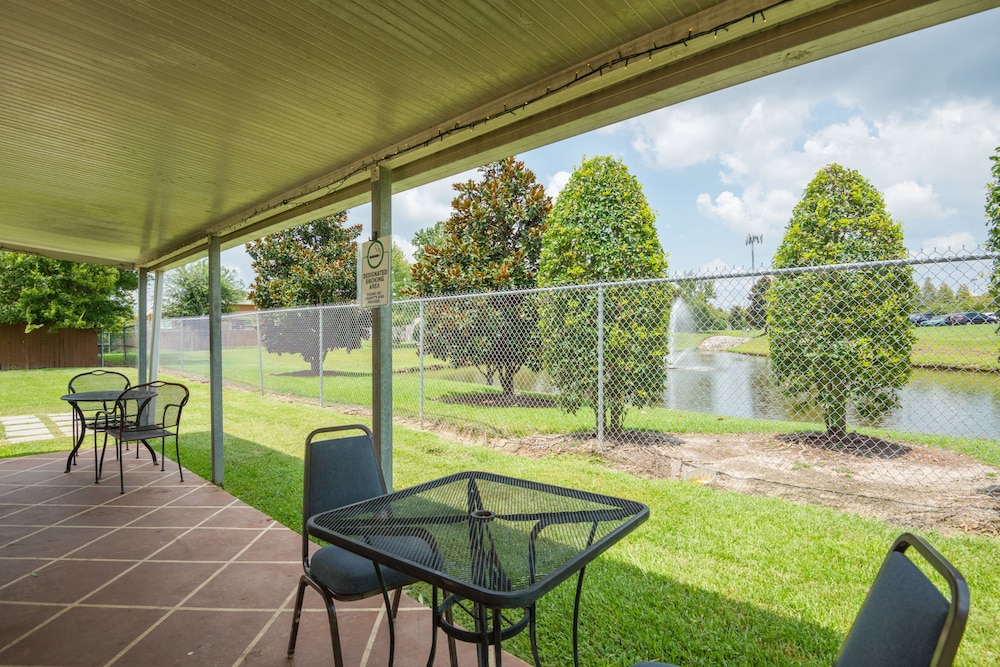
(131, 130)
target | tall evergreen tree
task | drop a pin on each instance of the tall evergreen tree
(841, 336)
(601, 229)
(993, 225)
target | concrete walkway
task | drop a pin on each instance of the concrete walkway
(28, 428)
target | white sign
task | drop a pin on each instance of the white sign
(376, 283)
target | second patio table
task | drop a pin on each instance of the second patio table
(492, 542)
(107, 400)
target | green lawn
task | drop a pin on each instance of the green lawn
(971, 346)
(713, 578)
(347, 382)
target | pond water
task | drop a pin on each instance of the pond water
(950, 403)
(938, 402)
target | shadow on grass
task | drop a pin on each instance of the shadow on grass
(260, 476)
(627, 614)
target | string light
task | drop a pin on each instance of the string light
(621, 59)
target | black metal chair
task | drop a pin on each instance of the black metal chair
(98, 380)
(905, 621)
(145, 412)
(341, 468)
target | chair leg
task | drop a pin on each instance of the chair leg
(121, 469)
(331, 612)
(452, 649)
(100, 466)
(177, 452)
(296, 616)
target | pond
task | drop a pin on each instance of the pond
(954, 403)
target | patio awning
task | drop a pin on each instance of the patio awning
(132, 132)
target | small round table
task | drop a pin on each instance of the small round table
(104, 397)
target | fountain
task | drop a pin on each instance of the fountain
(682, 339)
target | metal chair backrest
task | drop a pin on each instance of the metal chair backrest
(98, 380)
(152, 404)
(339, 470)
(905, 621)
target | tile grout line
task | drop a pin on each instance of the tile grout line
(74, 605)
(270, 622)
(176, 607)
(68, 555)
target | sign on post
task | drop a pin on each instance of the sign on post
(376, 283)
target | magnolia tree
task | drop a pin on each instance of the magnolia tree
(491, 242)
(310, 265)
(841, 336)
(601, 229)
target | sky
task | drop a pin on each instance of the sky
(918, 116)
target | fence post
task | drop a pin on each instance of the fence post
(260, 356)
(420, 355)
(319, 314)
(182, 323)
(600, 368)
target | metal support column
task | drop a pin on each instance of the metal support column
(154, 334)
(215, 355)
(140, 326)
(382, 331)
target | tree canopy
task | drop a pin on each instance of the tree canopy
(187, 290)
(42, 292)
(310, 265)
(993, 224)
(841, 336)
(602, 229)
(491, 242)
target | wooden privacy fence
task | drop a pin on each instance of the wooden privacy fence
(65, 348)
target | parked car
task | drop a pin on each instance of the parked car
(917, 318)
(971, 318)
(937, 321)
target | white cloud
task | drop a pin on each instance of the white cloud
(755, 212)
(404, 245)
(683, 135)
(912, 200)
(556, 183)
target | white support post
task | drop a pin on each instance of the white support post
(381, 189)
(215, 357)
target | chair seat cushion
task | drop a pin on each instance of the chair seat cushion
(348, 574)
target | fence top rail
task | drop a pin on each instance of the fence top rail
(978, 254)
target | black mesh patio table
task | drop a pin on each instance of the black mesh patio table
(495, 544)
(106, 398)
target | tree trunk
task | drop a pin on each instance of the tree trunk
(507, 382)
(836, 414)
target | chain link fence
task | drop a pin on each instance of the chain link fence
(877, 381)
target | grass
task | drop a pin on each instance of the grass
(348, 382)
(973, 347)
(712, 578)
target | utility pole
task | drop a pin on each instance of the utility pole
(751, 240)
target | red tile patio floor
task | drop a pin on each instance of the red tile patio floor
(168, 573)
